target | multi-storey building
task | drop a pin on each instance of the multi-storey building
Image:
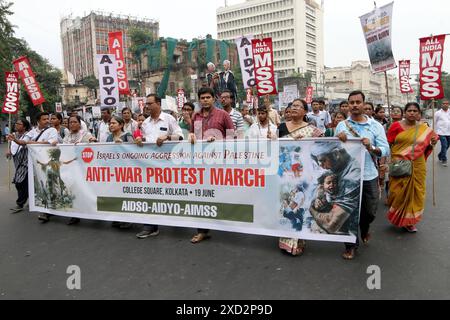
(341, 81)
(83, 38)
(296, 27)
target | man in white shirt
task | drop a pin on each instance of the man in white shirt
(263, 129)
(442, 120)
(323, 108)
(158, 128)
(42, 134)
(103, 127)
(319, 117)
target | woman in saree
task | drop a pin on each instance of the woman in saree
(409, 140)
(297, 129)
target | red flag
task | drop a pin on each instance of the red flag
(404, 72)
(309, 95)
(431, 60)
(23, 67)
(264, 69)
(116, 48)
(11, 104)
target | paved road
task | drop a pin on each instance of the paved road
(115, 265)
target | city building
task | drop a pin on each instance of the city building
(340, 81)
(296, 27)
(75, 95)
(83, 38)
(168, 64)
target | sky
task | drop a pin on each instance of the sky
(38, 23)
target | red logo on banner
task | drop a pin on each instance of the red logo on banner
(11, 104)
(116, 48)
(404, 72)
(87, 155)
(23, 67)
(309, 95)
(264, 69)
(431, 59)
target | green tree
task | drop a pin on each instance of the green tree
(48, 77)
(139, 37)
(92, 83)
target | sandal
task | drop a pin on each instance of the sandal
(298, 251)
(349, 254)
(199, 237)
(366, 238)
(44, 218)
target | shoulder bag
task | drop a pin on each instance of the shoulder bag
(403, 168)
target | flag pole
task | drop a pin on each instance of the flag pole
(387, 93)
(9, 158)
(433, 103)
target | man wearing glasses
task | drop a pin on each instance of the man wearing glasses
(158, 128)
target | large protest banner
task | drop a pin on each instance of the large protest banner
(431, 60)
(286, 188)
(377, 27)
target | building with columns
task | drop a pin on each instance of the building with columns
(340, 81)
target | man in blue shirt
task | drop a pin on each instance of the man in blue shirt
(374, 140)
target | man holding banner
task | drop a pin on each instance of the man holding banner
(210, 124)
(375, 141)
(42, 134)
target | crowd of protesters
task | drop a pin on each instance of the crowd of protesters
(400, 136)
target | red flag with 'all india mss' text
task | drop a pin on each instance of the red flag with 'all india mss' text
(11, 104)
(431, 60)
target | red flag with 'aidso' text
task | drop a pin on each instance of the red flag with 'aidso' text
(11, 104)
(431, 60)
(404, 73)
(116, 48)
(264, 68)
(23, 67)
